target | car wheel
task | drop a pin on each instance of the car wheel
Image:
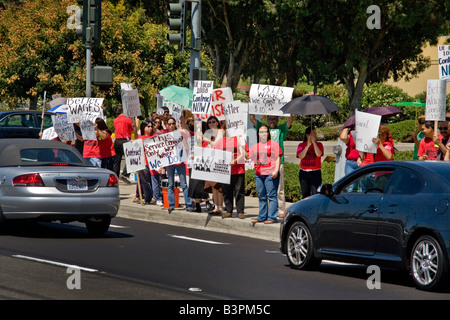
(300, 247)
(98, 226)
(427, 263)
(2, 223)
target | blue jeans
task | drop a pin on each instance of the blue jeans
(181, 170)
(156, 185)
(350, 166)
(267, 192)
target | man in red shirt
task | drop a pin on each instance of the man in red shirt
(124, 127)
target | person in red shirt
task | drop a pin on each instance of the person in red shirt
(266, 155)
(310, 153)
(428, 150)
(105, 144)
(124, 127)
(236, 188)
(385, 145)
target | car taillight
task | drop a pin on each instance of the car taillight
(112, 181)
(28, 180)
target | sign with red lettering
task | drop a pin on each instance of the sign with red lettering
(220, 97)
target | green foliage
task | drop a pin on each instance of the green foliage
(401, 131)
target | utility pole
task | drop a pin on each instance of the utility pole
(196, 41)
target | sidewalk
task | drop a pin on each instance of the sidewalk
(198, 220)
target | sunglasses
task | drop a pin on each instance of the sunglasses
(272, 119)
(443, 128)
(171, 123)
(149, 126)
(213, 121)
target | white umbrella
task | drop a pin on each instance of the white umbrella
(60, 108)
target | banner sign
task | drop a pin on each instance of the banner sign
(220, 97)
(211, 165)
(84, 108)
(444, 62)
(63, 128)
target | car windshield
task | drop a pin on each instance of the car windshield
(49, 155)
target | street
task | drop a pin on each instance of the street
(139, 260)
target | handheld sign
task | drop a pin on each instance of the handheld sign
(134, 155)
(366, 128)
(220, 97)
(444, 62)
(211, 165)
(201, 101)
(435, 105)
(166, 149)
(236, 118)
(268, 99)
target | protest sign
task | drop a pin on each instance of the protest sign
(220, 97)
(86, 108)
(166, 149)
(202, 98)
(444, 62)
(49, 134)
(268, 99)
(366, 128)
(174, 109)
(134, 155)
(435, 104)
(211, 165)
(236, 118)
(130, 103)
(63, 129)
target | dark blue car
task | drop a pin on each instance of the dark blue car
(390, 214)
(23, 123)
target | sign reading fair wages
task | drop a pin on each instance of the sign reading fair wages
(165, 150)
(435, 108)
(268, 99)
(366, 128)
(201, 100)
(84, 109)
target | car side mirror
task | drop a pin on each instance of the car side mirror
(326, 190)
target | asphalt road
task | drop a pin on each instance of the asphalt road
(151, 261)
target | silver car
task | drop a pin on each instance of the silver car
(43, 180)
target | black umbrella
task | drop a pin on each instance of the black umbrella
(310, 105)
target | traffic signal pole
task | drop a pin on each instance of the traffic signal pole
(196, 44)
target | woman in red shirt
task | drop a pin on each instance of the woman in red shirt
(310, 153)
(105, 144)
(266, 155)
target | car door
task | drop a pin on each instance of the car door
(400, 205)
(348, 221)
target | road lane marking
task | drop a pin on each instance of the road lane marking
(55, 263)
(195, 239)
(117, 226)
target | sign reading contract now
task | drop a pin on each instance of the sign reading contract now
(444, 62)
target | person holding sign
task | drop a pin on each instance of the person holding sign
(236, 188)
(310, 154)
(444, 143)
(145, 178)
(278, 134)
(428, 150)
(105, 144)
(181, 171)
(266, 155)
(385, 145)
(124, 127)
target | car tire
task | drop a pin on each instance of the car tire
(300, 247)
(2, 223)
(98, 226)
(427, 262)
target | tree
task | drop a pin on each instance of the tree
(358, 54)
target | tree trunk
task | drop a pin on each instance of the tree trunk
(355, 90)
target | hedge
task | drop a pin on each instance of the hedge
(292, 189)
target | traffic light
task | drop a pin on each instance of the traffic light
(177, 22)
(91, 21)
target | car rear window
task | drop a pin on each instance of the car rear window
(49, 155)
